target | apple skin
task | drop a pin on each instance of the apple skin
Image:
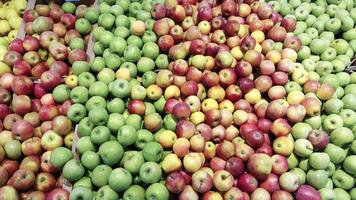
(259, 165)
(247, 183)
(307, 192)
(58, 193)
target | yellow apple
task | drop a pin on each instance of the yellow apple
(240, 117)
(283, 145)
(253, 96)
(237, 53)
(192, 162)
(295, 97)
(15, 22)
(209, 150)
(258, 35)
(3, 13)
(12, 35)
(197, 117)
(154, 92)
(226, 104)
(243, 30)
(123, 73)
(258, 48)
(274, 56)
(11, 13)
(300, 76)
(4, 68)
(217, 93)
(209, 104)
(171, 91)
(4, 27)
(181, 147)
(71, 81)
(171, 163)
(208, 170)
(3, 51)
(20, 5)
(167, 138)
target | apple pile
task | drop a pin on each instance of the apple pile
(32, 107)
(10, 22)
(115, 103)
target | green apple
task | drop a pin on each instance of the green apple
(77, 43)
(90, 160)
(132, 53)
(132, 161)
(339, 93)
(120, 88)
(353, 193)
(143, 136)
(118, 45)
(332, 122)
(327, 35)
(76, 112)
(301, 175)
(100, 134)
(138, 92)
(100, 175)
(304, 53)
(134, 120)
(73, 170)
(349, 89)
(349, 117)
(135, 41)
(116, 105)
(80, 67)
(162, 61)
(112, 61)
(343, 180)
(159, 104)
(104, 7)
(83, 26)
(342, 137)
(292, 161)
(69, 7)
(333, 106)
(312, 32)
(98, 49)
(150, 50)
(349, 101)
(106, 193)
(317, 46)
(150, 172)
(122, 32)
(303, 148)
(95, 102)
(111, 152)
(85, 79)
(340, 45)
(61, 93)
(304, 164)
(301, 130)
(122, 20)
(79, 94)
(83, 182)
(157, 191)
(119, 179)
(301, 13)
(84, 144)
(350, 34)
(341, 194)
(317, 178)
(324, 67)
(98, 116)
(336, 154)
(150, 109)
(81, 193)
(331, 169)
(353, 147)
(91, 14)
(318, 160)
(286, 9)
(115, 122)
(106, 20)
(152, 151)
(169, 122)
(98, 64)
(60, 156)
(149, 35)
(99, 88)
(127, 135)
(145, 64)
(327, 193)
(343, 78)
(105, 38)
(333, 24)
(328, 54)
(310, 20)
(308, 64)
(117, 10)
(136, 192)
(148, 78)
(349, 164)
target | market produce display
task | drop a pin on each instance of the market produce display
(178, 99)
